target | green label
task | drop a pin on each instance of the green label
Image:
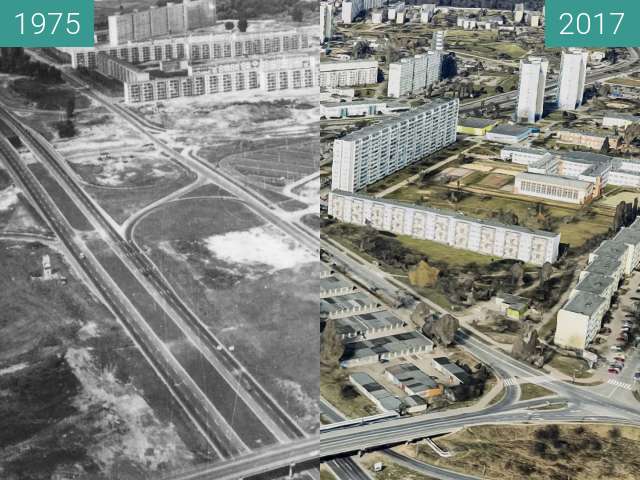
(46, 23)
(592, 23)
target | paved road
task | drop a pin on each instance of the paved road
(426, 469)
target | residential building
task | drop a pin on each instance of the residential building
(401, 77)
(412, 74)
(518, 12)
(427, 11)
(486, 237)
(350, 73)
(377, 17)
(365, 156)
(592, 139)
(553, 187)
(120, 70)
(157, 21)
(619, 120)
(267, 74)
(531, 90)
(573, 74)
(476, 126)
(326, 21)
(414, 381)
(437, 41)
(580, 319)
(506, 133)
(198, 46)
(354, 8)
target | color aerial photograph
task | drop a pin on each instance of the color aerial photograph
(159, 229)
(479, 292)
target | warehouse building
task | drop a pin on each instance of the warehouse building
(481, 236)
(414, 381)
(385, 348)
(508, 134)
(454, 374)
(374, 152)
(476, 126)
(367, 325)
(376, 393)
(349, 73)
(348, 305)
(334, 286)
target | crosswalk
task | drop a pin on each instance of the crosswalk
(617, 383)
(537, 379)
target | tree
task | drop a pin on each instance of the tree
(243, 24)
(441, 329)
(297, 14)
(618, 217)
(631, 134)
(71, 107)
(545, 273)
(517, 274)
(331, 347)
(229, 25)
(499, 89)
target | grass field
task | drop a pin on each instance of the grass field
(615, 199)
(529, 391)
(331, 384)
(570, 366)
(390, 470)
(263, 310)
(578, 452)
(574, 233)
(628, 81)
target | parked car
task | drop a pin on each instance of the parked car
(636, 376)
(613, 371)
(615, 348)
(619, 358)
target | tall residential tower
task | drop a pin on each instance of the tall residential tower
(573, 74)
(533, 81)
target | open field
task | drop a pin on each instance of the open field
(613, 200)
(580, 452)
(254, 287)
(16, 213)
(352, 405)
(571, 366)
(78, 398)
(390, 470)
(47, 96)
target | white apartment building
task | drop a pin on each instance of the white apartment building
(374, 152)
(350, 73)
(573, 74)
(351, 9)
(580, 319)
(326, 21)
(198, 46)
(171, 19)
(458, 231)
(427, 11)
(412, 74)
(437, 41)
(553, 187)
(267, 74)
(401, 77)
(531, 90)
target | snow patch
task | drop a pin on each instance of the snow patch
(259, 245)
(13, 368)
(9, 197)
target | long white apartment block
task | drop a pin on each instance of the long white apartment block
(412, 74)
(580, 318)
(198, 46)
(173, 18)
(531, 90)
(365, 156)
(437, 40)
(351, 9)
(446, 227)
(573, 74)
(267, 74)
(349, 73)
(326, 21)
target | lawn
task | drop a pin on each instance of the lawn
(570, 366)
(438, 252)
(529, 391)
(628, 81)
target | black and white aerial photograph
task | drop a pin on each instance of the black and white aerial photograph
(159, 244)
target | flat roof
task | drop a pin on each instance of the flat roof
(584, 303)
(554, 180)
(389, 121)
(347, 65)
(595, 283)
(333, 282)
(604, 266)
(347, 302)
(412, 377)
(360, 324)
(476, 122)
(397, 344)
(510, 130)
(450, 213)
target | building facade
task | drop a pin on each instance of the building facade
(531, 90)
(326, 21)
(268, 74)
(573, 74)
(348, 73)
(372, 153)
(553, 187)
(157, 21)
(351, 9)
(457, 231)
